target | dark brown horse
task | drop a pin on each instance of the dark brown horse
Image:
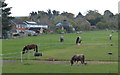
(78, 57)
(30, 47)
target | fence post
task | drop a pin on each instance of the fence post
(21, 57)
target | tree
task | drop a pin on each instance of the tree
(93, 17)
(79, 15)
(58, 18)
(109, 21)
(108, 13)
(68, 15)
(49, 13)
(101, 25)
(82, 24)
(55, 13)
(33, 13)
(6, 25)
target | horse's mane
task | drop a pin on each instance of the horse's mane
(23, 51)
(24, 48)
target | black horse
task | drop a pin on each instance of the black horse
(30, 47)
(78, 57)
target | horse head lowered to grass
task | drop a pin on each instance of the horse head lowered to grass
(78, 57)
(30, 47)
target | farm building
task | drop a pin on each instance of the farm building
(21, 26)
(65, 25)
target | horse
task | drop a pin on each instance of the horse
(78, 40)
(30, 47)
(78, 57)
(61, 38)
(110, 36)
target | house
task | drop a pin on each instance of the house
(34, 25)
(63, 23)
(21, 26)
(18, 26)
(65, 26)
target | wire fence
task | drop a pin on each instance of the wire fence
(17, 55)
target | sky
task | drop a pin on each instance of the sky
(24, 7)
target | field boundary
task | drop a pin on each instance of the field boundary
(57, 62)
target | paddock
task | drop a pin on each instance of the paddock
(96, 50)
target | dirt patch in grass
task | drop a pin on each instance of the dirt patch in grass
(57, 62)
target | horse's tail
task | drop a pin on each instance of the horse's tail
(36, 48)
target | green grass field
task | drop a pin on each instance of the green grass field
(95, 46)
(59, 68)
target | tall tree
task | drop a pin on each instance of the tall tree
(93, 17)
(82, 24)
(68, 15)
(108, 13)
(109, 21)
(49, 12)
(6, 25)
(55, 13)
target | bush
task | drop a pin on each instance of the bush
(60, 31)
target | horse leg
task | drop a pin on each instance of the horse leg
(27, 51)
(34, 49)
(82, 61)
(72, 62)
(77, 62)
(23, 52)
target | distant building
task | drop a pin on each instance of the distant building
(18, 26)
(64, 23)
(21, 26)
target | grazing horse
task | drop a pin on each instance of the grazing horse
(30, 47)
(78, 40)
(61, 38)
(110, 36)
(78, 57)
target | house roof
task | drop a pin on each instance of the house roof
(63, 23)
(31, 22)
(18, 21)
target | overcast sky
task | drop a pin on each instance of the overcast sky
(24, 7)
